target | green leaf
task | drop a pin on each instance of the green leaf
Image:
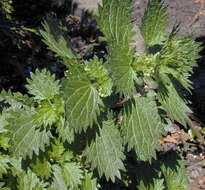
(69, 175)
(175, 178)
(43, 85)
(47, 113)
(95, 69)
(56, 152)
(174, 105)
(144, 65)
(4, 138)
(42, 168)
(114, 21)
(120, 67)
(4, 141)
(16, 100)
(76, 69)
(178, 57)
(203, 131)
(55, 38)
(149, 176)
(65, 132)
(29, 181)
(158, 184)
(142, 127)
(3, 121)
(89, 182)
(154, 22)
(58, 181)
(192, 134)
(72, 174)
(24, 135)
(82, 103)
(106, 152)
(4, 161)
(16, 165)
(2, 186)
(68, 155)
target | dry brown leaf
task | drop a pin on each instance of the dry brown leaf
(168, 139)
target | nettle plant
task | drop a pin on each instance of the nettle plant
(68, 132)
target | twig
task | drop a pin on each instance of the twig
(196, 17)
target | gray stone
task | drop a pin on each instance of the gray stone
(86, 5)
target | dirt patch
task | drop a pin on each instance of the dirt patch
(179, 10)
